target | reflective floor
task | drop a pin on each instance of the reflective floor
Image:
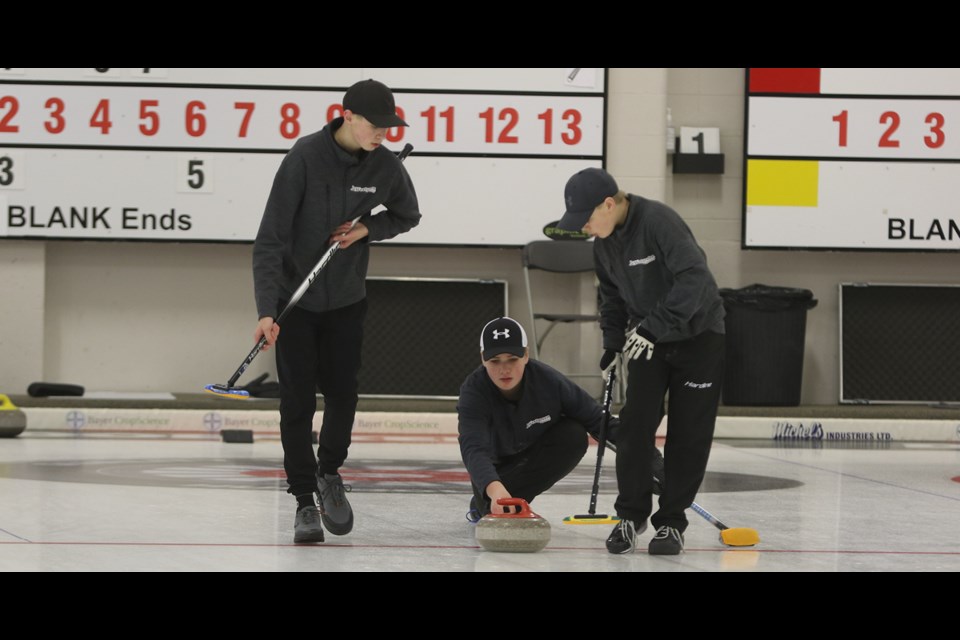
(98, 504)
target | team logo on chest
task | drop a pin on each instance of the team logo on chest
(639, 262)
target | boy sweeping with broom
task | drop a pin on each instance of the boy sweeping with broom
(662, 309)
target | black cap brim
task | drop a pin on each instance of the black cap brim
(574, 220)
(490, 354)
(387, 121)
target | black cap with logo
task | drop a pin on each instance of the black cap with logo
(503, 335)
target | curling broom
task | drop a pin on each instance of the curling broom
(732, 537)
(229, 390)
(592, 517)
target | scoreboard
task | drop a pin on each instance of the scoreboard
(165, 154)
(852, 158)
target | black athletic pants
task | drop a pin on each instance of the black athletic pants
(318, 351)
(541, 465)
(692, 372)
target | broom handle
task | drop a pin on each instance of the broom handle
(602, 441)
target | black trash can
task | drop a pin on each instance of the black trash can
(766, 335)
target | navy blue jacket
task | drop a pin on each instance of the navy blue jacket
(492, 428)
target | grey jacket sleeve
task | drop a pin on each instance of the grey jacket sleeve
(274, 237)
(402, 210)
(475, 446)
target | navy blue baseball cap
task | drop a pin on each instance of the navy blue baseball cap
(585, 191)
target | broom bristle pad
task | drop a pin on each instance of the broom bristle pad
(739, 537)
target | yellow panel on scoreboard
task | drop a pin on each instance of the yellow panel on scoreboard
(783, 183)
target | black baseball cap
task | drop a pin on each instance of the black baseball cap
(503, 335)
(374, 101)
(585, 191)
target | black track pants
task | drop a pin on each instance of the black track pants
(692, 372)
(540, 466)
(318, 351)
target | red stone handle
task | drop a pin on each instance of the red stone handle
(524, 508)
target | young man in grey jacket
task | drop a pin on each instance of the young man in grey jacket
(327, 179)
(661, 307)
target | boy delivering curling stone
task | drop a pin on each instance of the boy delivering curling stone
(327, 179)
(661, 307)
(523, 425)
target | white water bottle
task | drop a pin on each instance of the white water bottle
(671, 133)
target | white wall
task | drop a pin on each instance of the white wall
(148, 317)
(163, 317)
(22, 267)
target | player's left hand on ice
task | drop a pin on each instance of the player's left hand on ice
(638, 341)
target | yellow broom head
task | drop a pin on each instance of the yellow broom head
(740, 537)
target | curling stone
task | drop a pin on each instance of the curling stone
(521, 532)
(12, 420)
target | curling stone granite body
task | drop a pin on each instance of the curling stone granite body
(523, 532)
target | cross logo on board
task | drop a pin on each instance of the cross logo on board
(76, 419)
(501, 334)
(212, 421)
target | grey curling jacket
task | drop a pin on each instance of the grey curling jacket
(319, 186)
(653, 273)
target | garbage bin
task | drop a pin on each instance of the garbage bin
(766, 334)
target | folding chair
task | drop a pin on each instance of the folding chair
(554, 256)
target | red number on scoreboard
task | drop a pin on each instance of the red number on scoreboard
(841, 119)
(5, 125)
(57, 124)
(892, 118)
(510, 115)
(247, 108)
(101, 117)
(935, 141)
(152, 118)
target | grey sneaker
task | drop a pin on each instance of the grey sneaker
(336, 511)
(307, 527)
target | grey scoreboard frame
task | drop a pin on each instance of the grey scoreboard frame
(431, 333)
(903, 345)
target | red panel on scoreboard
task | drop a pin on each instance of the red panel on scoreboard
(785, 80)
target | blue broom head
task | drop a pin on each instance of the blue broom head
(227, 392)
